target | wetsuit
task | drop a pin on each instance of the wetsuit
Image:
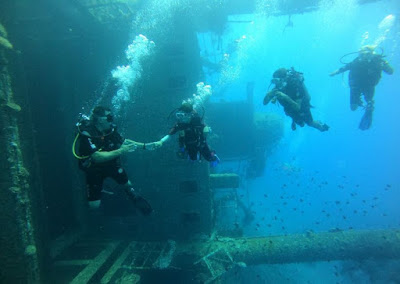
(297, 91)
(365, 73)
(292, 94)
(91, 140)
(193, 140)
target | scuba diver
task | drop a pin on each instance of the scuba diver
(98, 146)
(291, 93)
(365, 71)
(192, 135)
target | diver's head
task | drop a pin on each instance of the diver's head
(281, 73)
(102, 118)
(367, 50)
(279, 77)
(186, 107)
(185, 112)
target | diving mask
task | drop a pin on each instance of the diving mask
(279, 82)
(183, 117)
(109, 118)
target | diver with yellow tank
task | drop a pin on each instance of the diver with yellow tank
(98, 146)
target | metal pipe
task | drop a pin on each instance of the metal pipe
(309, 247)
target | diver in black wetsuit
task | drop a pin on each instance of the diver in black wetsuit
(192, 135)
(365, 71)
(291, 92)
(98, 146)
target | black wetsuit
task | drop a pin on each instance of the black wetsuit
(297, 91)
(365, 73)
(193, 140)
(91, 140)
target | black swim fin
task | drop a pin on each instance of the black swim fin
(139, 202)
(142, 205)
(366, 120)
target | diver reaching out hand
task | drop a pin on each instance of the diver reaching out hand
(98, 146)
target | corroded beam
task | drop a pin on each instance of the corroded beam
(307, 247)
(206, 261)
(210, 260)
(19, 256)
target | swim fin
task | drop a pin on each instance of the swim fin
(139, 202)
(366, 120)
(142, 205)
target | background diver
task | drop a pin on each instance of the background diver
(192, 135)
(365, 71)
(98, 146)
(292, 94)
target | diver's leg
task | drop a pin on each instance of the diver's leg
(369, 97)
(366, 120)
(138, 201)
(206, 152)
(291, 108)
(319, 125)
(355, 97)
(94, 185)
(192, 152)
(209, 155)
(290, 105)
(120, 176)
(307, 117)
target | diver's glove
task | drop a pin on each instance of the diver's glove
(139, 202)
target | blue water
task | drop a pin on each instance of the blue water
(341, 179)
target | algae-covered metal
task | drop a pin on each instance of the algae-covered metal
(19, 253)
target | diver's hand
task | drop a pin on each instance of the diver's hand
(333, 73)
(271, 96)
(279, 95)
(128, 146)
(158, 144)
(153, 145)
(267, 98)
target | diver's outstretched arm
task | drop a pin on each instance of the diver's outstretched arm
(105, 156)
(340, 70)
(163, 140)
(145, 146)
(387, 68)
